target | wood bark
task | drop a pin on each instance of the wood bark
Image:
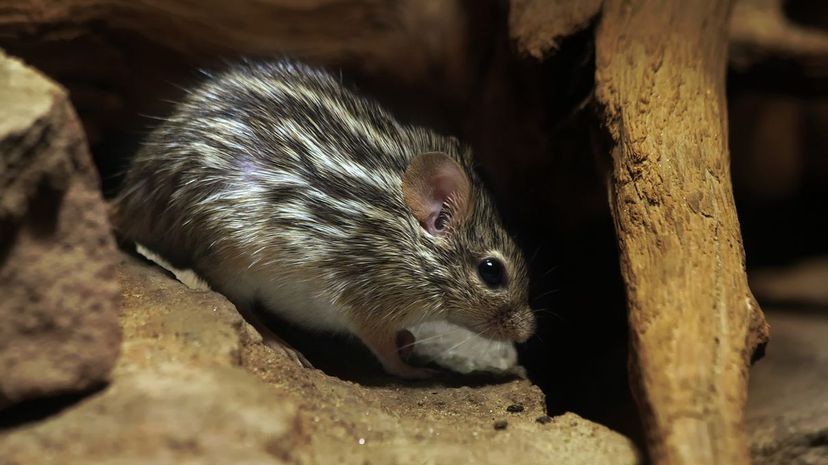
(304, 27)
(760, 31)
(694, 322)
(537, 25)
(121, 58)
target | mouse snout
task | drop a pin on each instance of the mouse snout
(523, 324)
(516, 324)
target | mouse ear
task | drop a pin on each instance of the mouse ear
(436, 189)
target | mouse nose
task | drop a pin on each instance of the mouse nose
(520, 325)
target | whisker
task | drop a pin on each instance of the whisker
(534, 256)
(553, 268)
(467, 339)
(546, 294)
(464, 341)
(420, 341)
(542, 312)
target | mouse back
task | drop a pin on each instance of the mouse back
(276, 172)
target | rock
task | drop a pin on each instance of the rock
(787, 409)
(170, 414)
(166, 322)
(195, 384)
(59, 328)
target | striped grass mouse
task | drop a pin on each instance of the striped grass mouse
(281, 186)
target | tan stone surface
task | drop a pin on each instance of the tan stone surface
(170, 414)
(186, 391)
(787, 409)
(59, 310)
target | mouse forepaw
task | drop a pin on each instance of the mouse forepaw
(294, 355)
(388, 347)
(411, 372)
(270, 338)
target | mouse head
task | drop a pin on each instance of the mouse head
(481, 272)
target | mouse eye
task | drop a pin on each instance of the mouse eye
(492, 272)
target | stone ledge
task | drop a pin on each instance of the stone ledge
(195, 384)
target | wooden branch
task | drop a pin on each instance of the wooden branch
(121, 58)
(332, 31)
(694, 322)
(774, 55)
(538, 25)
(760, 31)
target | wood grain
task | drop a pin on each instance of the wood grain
(694, 322)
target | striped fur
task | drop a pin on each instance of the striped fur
(278, 184)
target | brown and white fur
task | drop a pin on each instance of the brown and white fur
(280, 186)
